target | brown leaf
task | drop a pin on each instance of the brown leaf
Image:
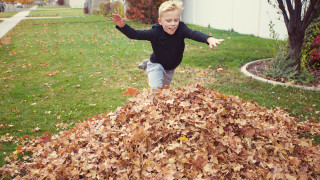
(185, 133)
(131, 91)
(249, 132)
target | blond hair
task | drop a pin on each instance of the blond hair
(170, 6)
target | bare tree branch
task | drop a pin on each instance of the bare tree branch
(312, 9)
(298, 10)
(290, 8)
(284, 12)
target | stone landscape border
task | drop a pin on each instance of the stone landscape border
(247, 73)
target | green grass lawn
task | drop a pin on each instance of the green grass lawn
(55, 71)
(54, 12)
(8, 14)
(49, 6)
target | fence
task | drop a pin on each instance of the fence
(245, 16)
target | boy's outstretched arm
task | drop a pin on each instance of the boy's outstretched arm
(213, 42)
(118, 20)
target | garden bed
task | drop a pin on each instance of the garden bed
(258, 68)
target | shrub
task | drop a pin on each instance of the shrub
(60, 2)
(117, 8)
(310, 56)
(107, 8)
(282, 66)
(86, 10)
(315, 54)
(96, 11)
(145, 11)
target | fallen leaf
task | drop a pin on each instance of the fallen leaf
(189, 132)
(53, 73)
(131, 91)
(183, 138)
(219, 69)
(35, 129)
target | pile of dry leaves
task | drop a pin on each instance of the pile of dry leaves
(184, 133)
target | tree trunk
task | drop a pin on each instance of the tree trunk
(296, 42)
(150, 9)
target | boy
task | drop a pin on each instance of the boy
(167, 40)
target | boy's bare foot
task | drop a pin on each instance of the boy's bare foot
(143, 65)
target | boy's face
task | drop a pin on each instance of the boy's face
(170, 21)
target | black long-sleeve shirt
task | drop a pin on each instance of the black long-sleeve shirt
(167, 49)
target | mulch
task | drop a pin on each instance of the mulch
(258, 68)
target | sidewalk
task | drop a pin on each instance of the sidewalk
(9, 23)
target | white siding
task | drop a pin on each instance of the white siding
(76, 3)
(245, 16)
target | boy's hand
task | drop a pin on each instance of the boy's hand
(118, 20)
(213, 42)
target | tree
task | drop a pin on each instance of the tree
(60, 2)
(25, 1)
(297, 15)
(145, 11)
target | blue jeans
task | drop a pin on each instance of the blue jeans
(158, 76)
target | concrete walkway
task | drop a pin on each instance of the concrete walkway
(9, 23)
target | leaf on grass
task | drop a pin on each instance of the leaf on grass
(53, 73)
(35, 129)
(19, 149)
(13, 52)
(6, 138)
(219, 69)
(3, 125)
(43, 64)
(131, 92)
(26, 65)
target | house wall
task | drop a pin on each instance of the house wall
(245, 16)
(76, 3)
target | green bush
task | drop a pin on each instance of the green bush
(117, 8)
(312, 32)
(282, 66)
(96, 11)
(104, 8)
(107, 8)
